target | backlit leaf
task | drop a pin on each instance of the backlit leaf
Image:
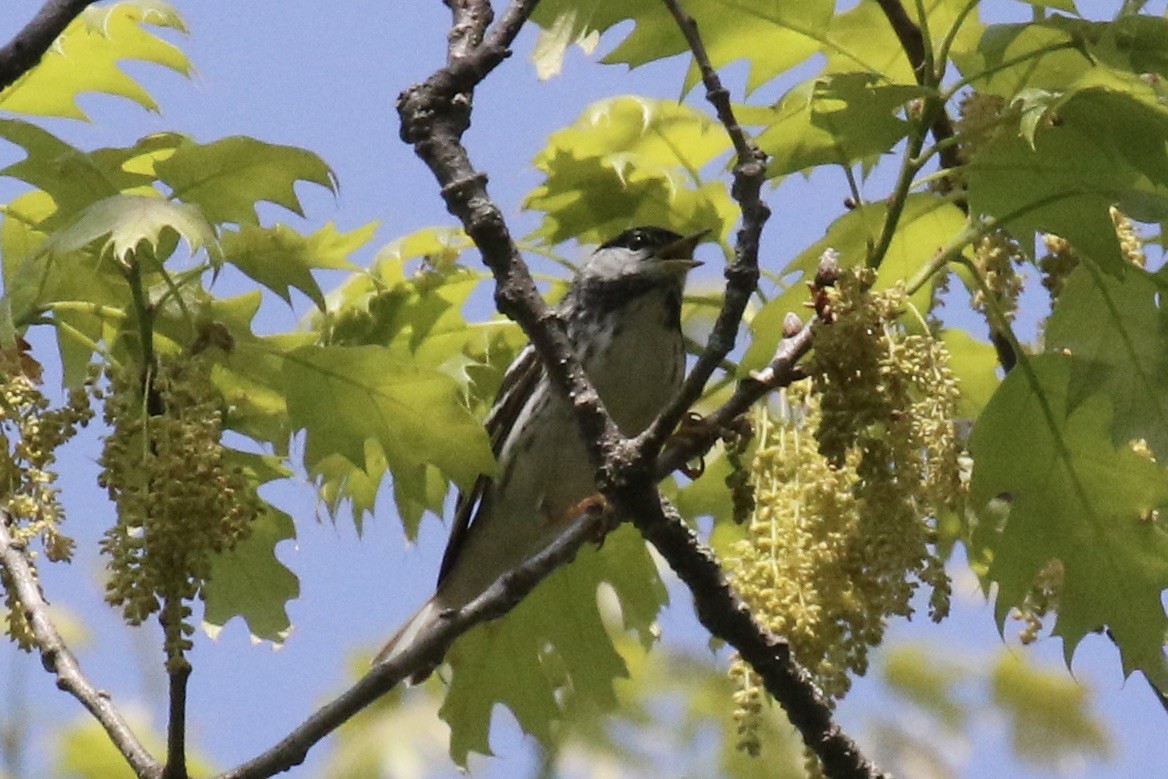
(85, 59)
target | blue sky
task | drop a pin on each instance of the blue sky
(325, 76)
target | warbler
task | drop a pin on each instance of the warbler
(623, 317)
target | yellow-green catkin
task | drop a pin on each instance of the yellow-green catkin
(1056, 265)
(979, 119)
(179, 501)
(994, 255)
(31, 432)
(848, 480)
(1130, 244)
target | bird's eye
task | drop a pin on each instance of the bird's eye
(638, 240)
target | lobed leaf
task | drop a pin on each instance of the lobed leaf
(637, 160)
(342, 396)
(85, 59)
(1071, 495)
(226, 178)
(1075, 169)
(839, 119)
(776, 36)
(556, 642)
(282, 259)
(250, 582)
(1115, 330)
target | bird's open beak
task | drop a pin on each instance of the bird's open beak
(679, 254)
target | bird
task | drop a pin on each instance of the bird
(622, 313)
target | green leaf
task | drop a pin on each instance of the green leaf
(281, 258)
(73, 178)
(1080, 167)
(1072, 496)
(342, 396)
(250, 582)
(128, 221)
(83, 750)
(776, 36)
(838, 119)
(926, 224)
(556, 642)
(228, 177)
(861, 38)
(85, 59)
(1050, 718)
(975, 364)
(1115, 330)
(638, 160)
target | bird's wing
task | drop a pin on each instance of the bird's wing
(519, 383)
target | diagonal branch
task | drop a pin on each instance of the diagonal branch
(434, 115)
(510, 588)
(913, 42)
(507, 591)
(58, 660)
(742, 273)
(26, 48)
(722, 613)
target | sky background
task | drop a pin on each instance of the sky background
(325, 76)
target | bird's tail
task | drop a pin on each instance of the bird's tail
(415, 629)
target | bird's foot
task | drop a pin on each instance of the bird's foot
(698, 432)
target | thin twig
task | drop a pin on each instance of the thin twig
(58, 660)
(26, 48)
(434, 115)
(742, 273)
(913, 43)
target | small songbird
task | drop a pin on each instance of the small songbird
(623, 317)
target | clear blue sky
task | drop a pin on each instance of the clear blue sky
(324, 76)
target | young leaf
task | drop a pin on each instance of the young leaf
(250, 582)
(638, 160)
(228, 177)
(281, 258)
(556, 642)
(1115, 329)
(85, 59)
(839, 119)
(342, 396)
(1072, 496)
(125, 222)
(776, 36)
(1106, 149)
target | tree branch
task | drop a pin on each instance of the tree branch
(434, 115)
(742, 273)
(510, 588)
(26, 48)
(58, 660)
(507, 591)
(722, 613)
(913, 43)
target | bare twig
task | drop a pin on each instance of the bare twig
(58, 660)
(434, 115)
(913, 43)
(508, 590)
(742, 273)
(26, 48)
